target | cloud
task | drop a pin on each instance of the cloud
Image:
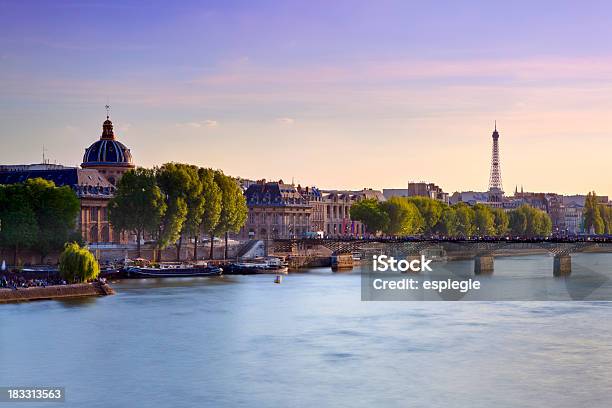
(285, 121)
(123, 127)
(209, 123)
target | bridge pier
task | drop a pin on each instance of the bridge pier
(562, 265)
(483, 264)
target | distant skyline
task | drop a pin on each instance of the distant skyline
(340, 94)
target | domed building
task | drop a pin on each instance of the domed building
(104, 162)
(108, 155)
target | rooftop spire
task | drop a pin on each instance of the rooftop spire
(495, 123)
(107, 127)
(107, 110)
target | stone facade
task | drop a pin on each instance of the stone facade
(276, 210)
(337, 215)
(317, 214)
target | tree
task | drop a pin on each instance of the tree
(371, 214)
(500, 221)
(592, 219)
(404, 217)
(606, 215)
(234, 210)
(19, 226)
(191, 194)
(430, 210)
(517, 222)
(56, 210)
(212, 206)
(483, 220)
(529, 222)
(447, 225)
(173, 181)
(464, 216)
(77, 264)
(138, 205)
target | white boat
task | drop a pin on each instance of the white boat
(262, 265)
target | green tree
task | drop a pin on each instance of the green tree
(194, 199)
(517, 222)
(483, 220)
(606, 215)
(529, 222)
(234, 210)
(370, 213)
(77, 264)
(447, 225)
(404, 217)
(592, 219)
(464, 216)
(500, 221)
(212, 206)
(173, 181)
(56, 210)
(138, 205)
(19, 228)
(430, 210)
(545, 223)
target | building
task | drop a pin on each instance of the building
(566, 212)
(469, 197)
(537, 200)
(338, 204)
(107, 155)
(91, 188)
(104, 162)
(276, 210)
(572, 218)
(317, 214)
(420, 189)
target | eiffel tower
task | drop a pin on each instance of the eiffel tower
(496, 191)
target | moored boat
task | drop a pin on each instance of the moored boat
(272, 265)
(172, 271)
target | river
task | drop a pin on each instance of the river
(310, 341)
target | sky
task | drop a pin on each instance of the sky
(341, 95)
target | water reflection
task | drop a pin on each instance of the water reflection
(245, 341)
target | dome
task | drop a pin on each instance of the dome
(107, 151)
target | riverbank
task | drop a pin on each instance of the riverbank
(55, 292)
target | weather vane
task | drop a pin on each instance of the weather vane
(107, 110)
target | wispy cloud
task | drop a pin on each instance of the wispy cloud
(285, 121)
(208, 123)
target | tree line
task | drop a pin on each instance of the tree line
(597, 217)
(402, 216)
(175, 202)
(37, 215)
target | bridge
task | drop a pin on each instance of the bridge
(482, 250)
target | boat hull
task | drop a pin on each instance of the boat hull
(254, 270)
(136, 272)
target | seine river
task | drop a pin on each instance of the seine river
(311, 341)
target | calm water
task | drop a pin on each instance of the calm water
(244, 341)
